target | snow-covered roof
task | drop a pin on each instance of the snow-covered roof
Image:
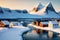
(44, 22)
(17, 24)
(53, 22)
(6, 22)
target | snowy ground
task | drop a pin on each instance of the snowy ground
(14, 33)
(57, 30)
(2, 28)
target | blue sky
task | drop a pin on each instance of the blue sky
(28, 4)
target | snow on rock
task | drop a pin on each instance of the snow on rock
(46, 11)
(13, 33)
(36, 8)
(39, 7)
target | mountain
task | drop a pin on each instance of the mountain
(50, 8)
(6, 13)
(47, 11)
(1, 10)
(22, 11)
(7, 10)
(59, 13)
(37, 8)
(4, 10)
(47, 8)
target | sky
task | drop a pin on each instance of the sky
(28, 4)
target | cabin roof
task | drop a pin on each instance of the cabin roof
(54, 22)
(6, 22)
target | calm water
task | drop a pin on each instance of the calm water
(33, 35)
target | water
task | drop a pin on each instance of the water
(33, 35)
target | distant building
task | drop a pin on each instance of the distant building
(44, 24)
(4, 24)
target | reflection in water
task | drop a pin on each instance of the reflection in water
(33, 35)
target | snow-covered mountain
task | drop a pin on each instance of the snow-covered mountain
(50, 8)
(4, 10)
(36, 8)
(39, 7)
(58, 13)
(47, 8)
(47, 11)
(14, 15)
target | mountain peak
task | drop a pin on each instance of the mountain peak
(1, 10)
(50, 8)
(36, 8)
(40, 6)
(50, 4)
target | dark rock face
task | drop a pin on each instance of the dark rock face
(40, 6)
(19, 11)
(1, 11)
(50, 8)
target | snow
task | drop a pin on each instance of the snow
(31, 16)
(40, 6)
(57, 30)
(42, 11)
(16, 23)
(54, 22)
(59, 23)
(44, 22)
(2, 28)
(13, 33)
(15, 15)
(49, 4)
(50, 13)
(46, 12)
(53, 14)
(6, 22)
(36, 8)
